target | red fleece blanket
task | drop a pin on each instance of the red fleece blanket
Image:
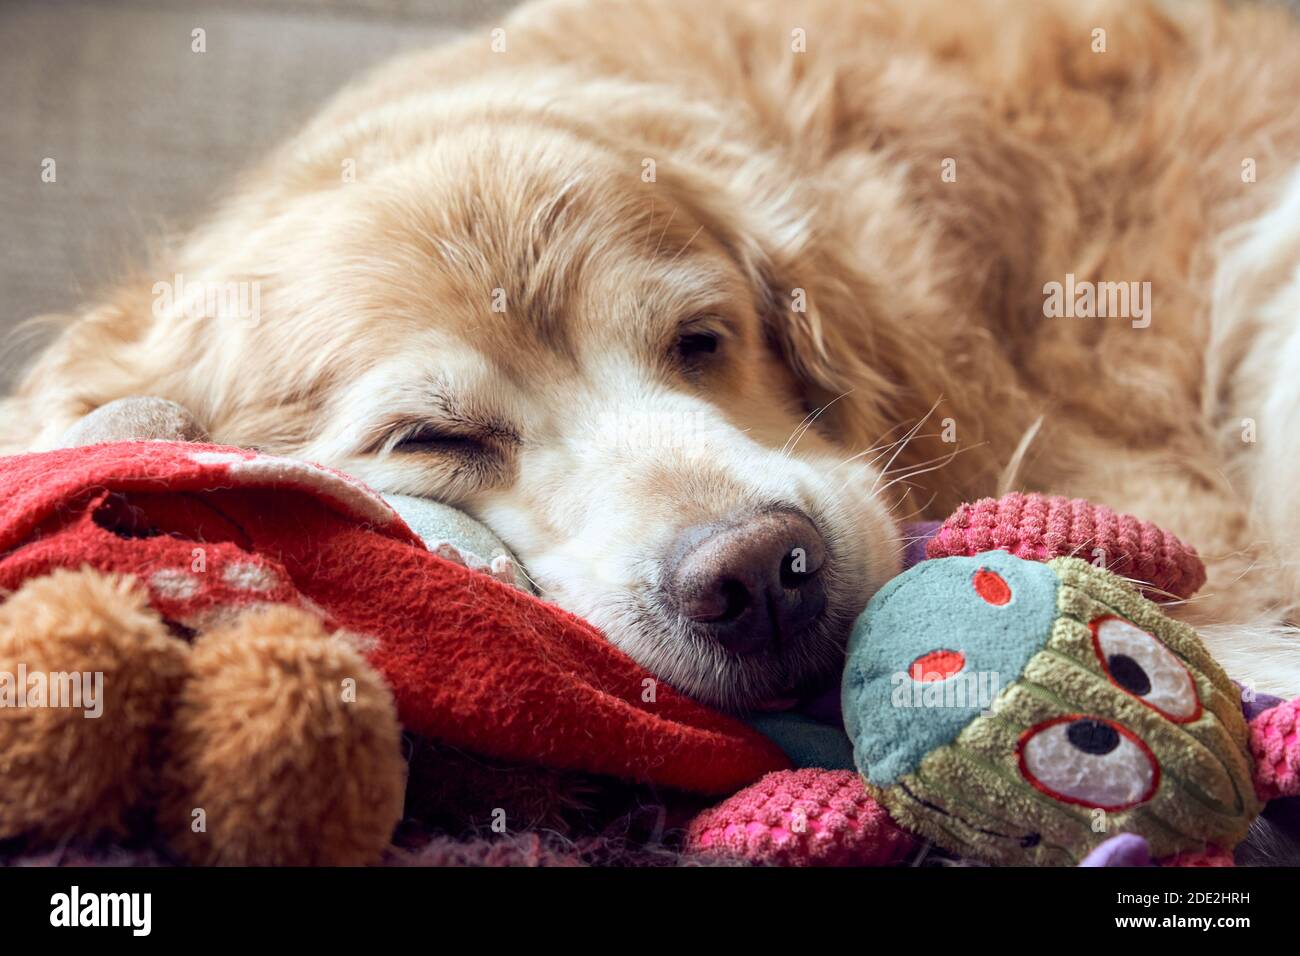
(209, 530)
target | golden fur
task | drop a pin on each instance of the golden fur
(292, 764)
(253, 725)
(530, 231)
(64, 774)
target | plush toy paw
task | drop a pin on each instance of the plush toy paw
(135, 419)
(76, 761)
(502, 567)
(802, 818)
(284, 748)
(455, 536)
(1041, 527)
(1275, 747)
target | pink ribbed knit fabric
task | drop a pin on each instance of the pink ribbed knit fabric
(1042, 527)
(802, 818)
(1275, 745)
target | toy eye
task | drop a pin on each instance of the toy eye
(992, 587)
(1141, 665)
(1088, 761)
(936, 666)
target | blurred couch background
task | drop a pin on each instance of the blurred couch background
(145, 133)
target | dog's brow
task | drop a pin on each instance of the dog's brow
(456, 410)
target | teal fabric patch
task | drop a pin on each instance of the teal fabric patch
(966, 627)
(807, 742)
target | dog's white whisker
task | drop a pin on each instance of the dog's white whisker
(906, 440)
(808, 422)
(943, 462)
(882, 449)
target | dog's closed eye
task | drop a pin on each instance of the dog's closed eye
(433, 439)
(455, 458)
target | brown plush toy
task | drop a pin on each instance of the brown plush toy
(236, 740)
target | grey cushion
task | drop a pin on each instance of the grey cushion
(144, 132)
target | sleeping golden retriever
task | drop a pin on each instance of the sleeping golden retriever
(694, 303)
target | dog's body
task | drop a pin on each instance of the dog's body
(585, 277)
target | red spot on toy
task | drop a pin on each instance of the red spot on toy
(937, 666)
(992, 587)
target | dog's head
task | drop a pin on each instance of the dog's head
(627, 369)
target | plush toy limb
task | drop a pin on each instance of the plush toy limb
(502, 567)
(1123, 849)
(1275, 747)
(1042, 527)
(135, 419)
(284, 748)
(802, 818)
(71, 772)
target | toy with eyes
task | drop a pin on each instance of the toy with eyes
(1017, 711)
(1014, 704)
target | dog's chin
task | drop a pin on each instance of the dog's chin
(795, 669)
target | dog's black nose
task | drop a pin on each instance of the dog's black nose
(751, 581)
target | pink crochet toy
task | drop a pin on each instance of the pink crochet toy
(1041, 527)
(829, 817)
(1275, 747)
(803, 818)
